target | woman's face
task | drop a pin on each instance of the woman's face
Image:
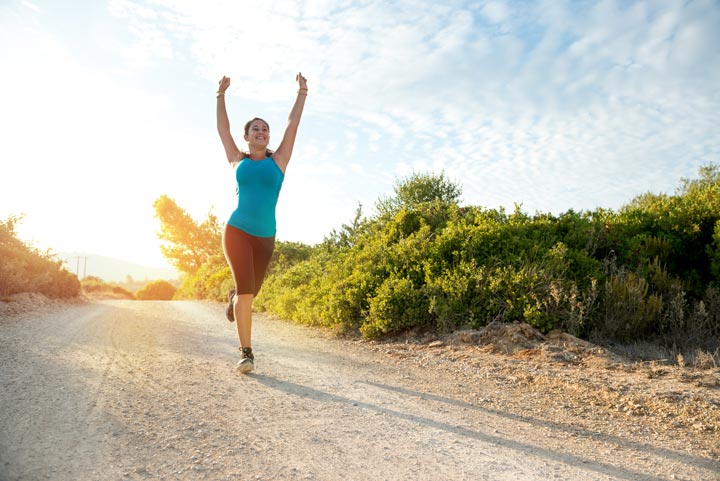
(258, 134)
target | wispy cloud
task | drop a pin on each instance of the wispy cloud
(496, 12)
(554, 104)
(31, 6)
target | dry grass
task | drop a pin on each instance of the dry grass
(642, 351)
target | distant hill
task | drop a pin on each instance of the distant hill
(113, 270)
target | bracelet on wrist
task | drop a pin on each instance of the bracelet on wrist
(220, 94)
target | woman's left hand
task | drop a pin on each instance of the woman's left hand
(302, 81)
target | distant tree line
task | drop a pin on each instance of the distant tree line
(156, 290)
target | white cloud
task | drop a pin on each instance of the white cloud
(131, 10)
(496, 12)
(31, 6)
(555, 104)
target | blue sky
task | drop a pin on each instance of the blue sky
(553, 104)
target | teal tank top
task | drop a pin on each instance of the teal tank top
(258, 184)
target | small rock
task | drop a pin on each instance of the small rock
(437, 343)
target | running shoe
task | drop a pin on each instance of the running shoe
(247, 363)
(229, 313)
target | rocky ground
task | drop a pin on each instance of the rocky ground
(559, 372)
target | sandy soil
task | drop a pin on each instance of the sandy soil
(147, 390)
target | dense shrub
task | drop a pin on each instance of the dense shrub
(213, 278)
(211, 281)
(398, 304)
(649, 270)
(156, 291)
(25, 269)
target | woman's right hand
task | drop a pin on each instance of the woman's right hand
(224, 83)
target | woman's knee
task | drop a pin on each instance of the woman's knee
(241, 299)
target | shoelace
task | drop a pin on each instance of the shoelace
(247, 353)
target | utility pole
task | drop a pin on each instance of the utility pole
(77, 266)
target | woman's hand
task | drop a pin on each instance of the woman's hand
(224, 83)
(302, 81)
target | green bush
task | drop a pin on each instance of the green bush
(291, 286)
(213, 278)
(397, 306)
(211, 281)
(649, 270)
(156, 291)
(713, 252)
(628, 309)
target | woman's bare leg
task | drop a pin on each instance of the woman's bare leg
(242, 307)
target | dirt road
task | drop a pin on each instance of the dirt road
(121, 390)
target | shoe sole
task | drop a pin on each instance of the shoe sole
(229, 313)
(244, 367)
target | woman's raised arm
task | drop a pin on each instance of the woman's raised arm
(284, 151)
(223, 123)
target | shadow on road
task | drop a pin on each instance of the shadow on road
(522, 448)
(593, 435)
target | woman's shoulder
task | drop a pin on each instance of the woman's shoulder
(241, 156)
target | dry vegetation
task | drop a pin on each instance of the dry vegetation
(96, 288)
(24, 268)
(24, 302)
(561, 377)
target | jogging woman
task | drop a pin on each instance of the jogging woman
(249, 236)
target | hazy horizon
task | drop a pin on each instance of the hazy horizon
(113, 269)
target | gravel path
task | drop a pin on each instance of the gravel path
(123, 390)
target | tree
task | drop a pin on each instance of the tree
(420, 188)
(187, 243)
(348, 234)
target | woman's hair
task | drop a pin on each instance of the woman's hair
(268, 152)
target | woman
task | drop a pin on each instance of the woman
(249, 236)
